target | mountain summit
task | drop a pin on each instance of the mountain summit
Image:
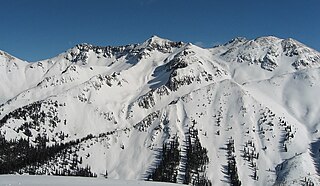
(240, 113)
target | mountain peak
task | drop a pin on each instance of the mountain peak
(236, 41)
(159, 43)
(267, 40)
(155, 40)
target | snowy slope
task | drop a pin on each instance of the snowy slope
(115, 108)
(6, 180)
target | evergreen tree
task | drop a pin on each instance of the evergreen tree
(106, 174)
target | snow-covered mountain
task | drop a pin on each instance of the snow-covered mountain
(245, 111)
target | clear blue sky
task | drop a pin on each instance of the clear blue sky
(40, 29)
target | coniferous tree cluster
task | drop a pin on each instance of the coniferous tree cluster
(78, 171)
(16, 154)
(34, 115)
(250, 154)
(167, 169)
(232, 166)
(307, 182)
(197, 160)
(19, 156)
(22, 113)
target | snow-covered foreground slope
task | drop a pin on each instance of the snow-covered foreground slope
(245, 111)
(7, 180)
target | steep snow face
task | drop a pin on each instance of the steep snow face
(296, 93)
(249, 103)
(297, 169)
(17, 75)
